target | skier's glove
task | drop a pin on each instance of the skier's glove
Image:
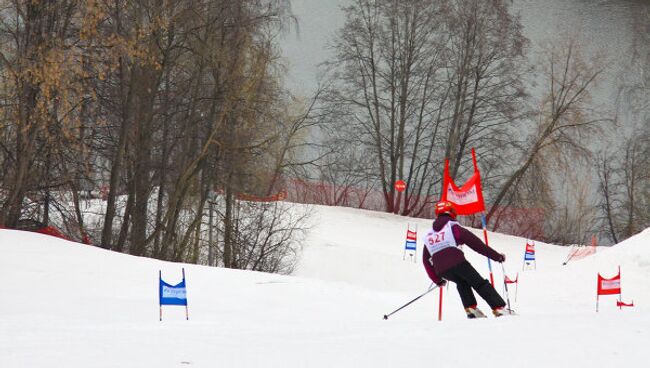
(441, 283)
(501, 258)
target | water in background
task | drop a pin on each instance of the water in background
(606, 26)
(603, 25)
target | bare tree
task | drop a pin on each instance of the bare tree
(163, 104)
(563, 118)
(269, 236)
(573, 216)
(609, 203)
(417, 81)
(485, 61)
(623, 170)
(381, 99)
(41, 82)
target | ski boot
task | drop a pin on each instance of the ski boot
(502, 311)
(474, 312)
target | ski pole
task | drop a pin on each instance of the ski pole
(505, 285)
(409, 303)
(485, 236)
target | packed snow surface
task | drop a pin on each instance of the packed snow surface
(65, 304)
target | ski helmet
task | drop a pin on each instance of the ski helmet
(447, 207)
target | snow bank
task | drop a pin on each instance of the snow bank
(70, 305)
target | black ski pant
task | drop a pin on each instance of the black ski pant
(467, 278)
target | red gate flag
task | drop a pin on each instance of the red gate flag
(411, 240)
(469, 197)
(411, 235)
(509, 281)
(609, 286)
(622, 304)
(530, 248)
(529, 254)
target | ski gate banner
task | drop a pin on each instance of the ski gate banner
(467, 198)
(172, 294)
(529, 255)
(410, 245)
(411, 240)
(611, 286)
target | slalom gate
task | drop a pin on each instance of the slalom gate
(507, 280)
(410, 245)
(172, 294)
(611, 286)
(529, 256)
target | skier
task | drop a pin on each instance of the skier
(444, 260)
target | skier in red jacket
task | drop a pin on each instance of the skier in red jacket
(444, 260)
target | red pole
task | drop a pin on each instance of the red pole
(440, 306)
(620, 289)
(597, 290)
(474, 159)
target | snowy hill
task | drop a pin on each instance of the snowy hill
(70, 305)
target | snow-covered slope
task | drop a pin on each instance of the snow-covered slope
(65, 304)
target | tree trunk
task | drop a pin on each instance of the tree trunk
(120, 152)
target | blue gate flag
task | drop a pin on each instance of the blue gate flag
(529, 255)
(172, 294)
(411, 240)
